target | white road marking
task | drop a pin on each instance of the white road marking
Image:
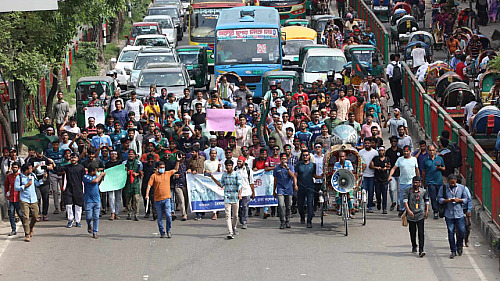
(3, 247)
(474, 265)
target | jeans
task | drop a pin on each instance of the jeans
(13, 208)
(369, 185)
(381, 192)
(92, 210)
(433, 190)
(115, 199)
(243, 210)
(413, 226)
(302, 196)
(393, 186)
(164, 207)
(231, 209)
(401, 195)
(459, 226)
(284, 207)
(341, 9)
(55, 186)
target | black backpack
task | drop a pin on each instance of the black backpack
(396, 72)
(457, 154)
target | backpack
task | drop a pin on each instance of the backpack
(396, 72)
(457, 154)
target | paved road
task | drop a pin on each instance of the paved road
(131, 250)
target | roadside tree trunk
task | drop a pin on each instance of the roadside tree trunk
(19, 88)
(52, 93)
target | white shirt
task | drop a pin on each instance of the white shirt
(135, 106)
(421, 72)
(390, 68)
(246, 190)
(203, 102)
(211, 166)
(288, 125)
(468, 110)
(244, 132)
(318, 160)
(75, 130)
(367, 158)
(370, 89)
(418, 55)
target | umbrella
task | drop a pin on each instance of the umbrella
(38, 142)
(436, 67)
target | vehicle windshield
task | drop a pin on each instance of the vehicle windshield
(165, 11)
(141, 61)
(166, 2)
(202, 24)
(163, 79)
(365, 56)
(156, 42)
(248, 46)
(188, 58)
(163, 23)
(325, 64)
(128, 56)
(292, 47)
(320, 26)
(144, 29)
(286, 84)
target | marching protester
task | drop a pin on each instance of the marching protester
(305, 173)
(160, 181)
(247, 190)
(284, 184)
(231, 183)
(416, 200)
(408, 168)
(13, 196)
(92, 200)
(25, 184)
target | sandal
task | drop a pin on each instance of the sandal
(56, 212)
(112, 217)
(46, 219)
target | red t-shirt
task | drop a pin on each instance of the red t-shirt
(297, 95)
(460, 70)
(352, 99)
(259, 164)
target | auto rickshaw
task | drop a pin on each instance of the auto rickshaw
(401, 5)
(196, 60)
(486, 82)
(297, 22)
(303, 50)
(455, 97)
(104, 87)
(356, 80)
(444, 81)
(382, 9)
(432, 75)
(318, 23)
(422, 36)
(289, 80)
(401, 32)
(486, 123)
(294, 38)
(364, 53)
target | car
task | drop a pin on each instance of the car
(141, 28)
(318, 62)
(173, 76)
(167, 26)
(125, 59)
(173, 11)
(173, 2)
(149, 55)
(152, 40)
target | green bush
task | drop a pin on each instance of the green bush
(87, 52)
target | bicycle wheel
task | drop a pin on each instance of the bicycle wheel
(345, 212)
(364, 201)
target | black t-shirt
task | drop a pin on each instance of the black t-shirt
(198, 118)
(44, 127)
(381, 176)
(148, 171)
(96, 163)
(393, 156)
(111, 164)
(43, 166)
(185, 105)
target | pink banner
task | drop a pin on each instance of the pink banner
(220, 120)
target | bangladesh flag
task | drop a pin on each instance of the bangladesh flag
(357, 68)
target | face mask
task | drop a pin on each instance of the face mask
(161, 170)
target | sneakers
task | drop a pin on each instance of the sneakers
(129, 217)
(393, 205)
(169, 234)
(78, 224)
(197, 218)
(287, 225)
(162, 236)
(309, 225)
(421, 254)
(12, 233)
(282, 225)
(414, 249)
(453, 255)
(136, 218)
(230, 236)
(435, 216)
(369, 210)
(89, 228)
(70, 224)
(460, 251)
(302, 221)
(244, 226)
(146, 216)
(384, 212)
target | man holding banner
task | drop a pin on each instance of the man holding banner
(231, 183)
(160, 181)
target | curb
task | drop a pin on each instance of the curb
(488, 229)
(3, 208)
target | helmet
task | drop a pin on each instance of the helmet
(272, 83)
(109, 73)
(330, 73)
(349, 15)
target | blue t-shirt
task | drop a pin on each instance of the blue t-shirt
(97, 141)
(305, 173)
(116, 139)
(315, 129)
(284, 183)
(91, 189)
(57, 156)
(420, 159)
(304, 137)
(433, 175)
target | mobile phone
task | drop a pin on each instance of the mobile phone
(206, 174)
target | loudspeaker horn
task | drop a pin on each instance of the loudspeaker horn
(343, 181)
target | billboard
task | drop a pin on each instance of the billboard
(27, 5)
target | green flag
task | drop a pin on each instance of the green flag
(114, 179)
(357, 68)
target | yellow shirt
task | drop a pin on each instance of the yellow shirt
(149, 110)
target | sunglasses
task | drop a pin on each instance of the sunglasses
(276, 149)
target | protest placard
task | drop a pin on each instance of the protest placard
(220, 120)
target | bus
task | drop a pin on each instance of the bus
(288, 9)
(248, 43)
(203, 15)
